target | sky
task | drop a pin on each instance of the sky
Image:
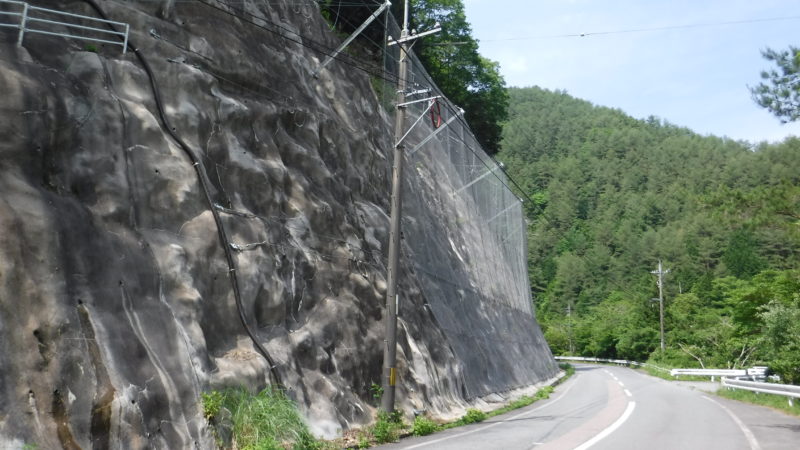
(696, 77)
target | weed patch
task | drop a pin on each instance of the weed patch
(267, 420)
(423, 426)
(773, 401)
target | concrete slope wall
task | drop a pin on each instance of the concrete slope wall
(116, 305)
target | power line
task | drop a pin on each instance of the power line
(636, 30)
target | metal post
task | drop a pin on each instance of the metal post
(22, 24)
(125, 44)
(392, 298)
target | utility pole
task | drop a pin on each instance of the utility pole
(569, 328)
(392, 298)
(660, 274)
(400, 133)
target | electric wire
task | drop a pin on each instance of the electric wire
(449, 105)
(646, 29)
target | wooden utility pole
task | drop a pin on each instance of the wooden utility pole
(659, 272)
(392, 298)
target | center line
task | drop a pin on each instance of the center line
(610, 429)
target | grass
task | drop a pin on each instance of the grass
(569, 370)
(267, 420)
(770, 400)
(388, 427)
(423, 426)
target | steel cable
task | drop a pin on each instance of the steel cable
(204, 184)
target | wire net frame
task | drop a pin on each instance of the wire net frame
(465, 239)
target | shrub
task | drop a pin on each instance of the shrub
(212, 402)
(376, 390)
(568, 368)
(472, 416)
(543, 393)
(387, 427)
(423, 426)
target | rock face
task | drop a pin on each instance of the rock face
(116, 303)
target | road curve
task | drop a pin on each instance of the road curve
(609, 407)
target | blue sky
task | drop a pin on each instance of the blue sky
(694, 77)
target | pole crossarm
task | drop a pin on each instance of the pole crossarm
(413, 125)
(372, 17)
(437, 131)
(414, 36)
(435, 97)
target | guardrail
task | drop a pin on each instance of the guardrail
(755, 373)
(623, 362)
(709, 372)
(785, 390)
(28, 16)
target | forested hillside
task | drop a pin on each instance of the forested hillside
(611, 195)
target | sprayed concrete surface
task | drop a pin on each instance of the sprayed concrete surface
(116, 306)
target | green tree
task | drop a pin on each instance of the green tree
(741, 257)
(781, 339)
(780, 94)
(612, 195)
(469, 80)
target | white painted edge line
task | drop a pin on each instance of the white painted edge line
(610, 429)
(621, 383)
(751, 438)
(628, 393)
(487, 426)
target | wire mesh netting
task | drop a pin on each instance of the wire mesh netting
(465, 239)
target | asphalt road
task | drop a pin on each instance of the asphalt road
(608, 407)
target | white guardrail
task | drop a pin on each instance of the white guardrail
(31, 15)
(785, 390)
(623, 362)
(756, 373)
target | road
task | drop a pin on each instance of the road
(609, 407)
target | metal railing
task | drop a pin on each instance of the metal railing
(758, 372)
(786, 390)
(754, 373)
(709, 372)
(623, 362)
(28, 16)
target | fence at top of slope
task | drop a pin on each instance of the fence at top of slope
(32, 19)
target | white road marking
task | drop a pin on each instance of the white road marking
(628, 393)
(621, 383)
(436, 441)
(751, 439)
(610, 429)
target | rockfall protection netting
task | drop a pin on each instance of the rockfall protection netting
(464, 236)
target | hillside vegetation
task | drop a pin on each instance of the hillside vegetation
(611, 195)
